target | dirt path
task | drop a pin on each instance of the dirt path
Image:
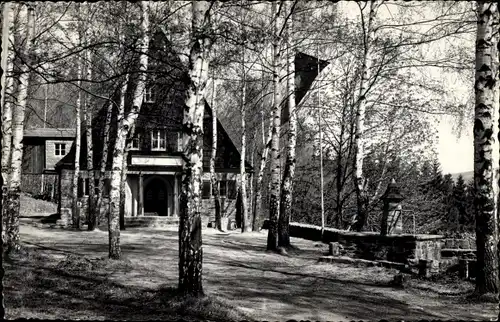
(266, 286)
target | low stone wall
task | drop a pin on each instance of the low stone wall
(404, 248)
(463, 243)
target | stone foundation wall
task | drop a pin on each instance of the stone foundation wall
(373, 246)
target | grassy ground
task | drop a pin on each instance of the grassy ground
(35, 207)
(66, 276)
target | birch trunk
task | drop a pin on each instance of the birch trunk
(123, 181)
(257, 205)
(91, 215)
(484, 143)
(360, 186)
(289, 171)
(190, 239)
(246, 224)
(213, 176)
(76, 175)
(274, 200)
(124, 126)
(7, 84)
(13, 196)
(104, 158)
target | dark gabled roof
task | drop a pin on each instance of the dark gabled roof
(48, 133)
(172, 83)
(306, 71)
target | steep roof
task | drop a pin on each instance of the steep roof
(56, 133)
(170, 77)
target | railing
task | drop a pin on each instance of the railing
(44, 185)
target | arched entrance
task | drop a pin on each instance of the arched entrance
(156, 197)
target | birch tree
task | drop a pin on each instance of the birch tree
(274, 200)
(484, 143)
(78, 135)
(361, 197)
(13, 196)
(91, 206)
(126, 123)
(6, 109)
(246, 224)
(266, 142)
(289, 171)
(104, 159)
(213, 154)
(190, 240)
(8, 87)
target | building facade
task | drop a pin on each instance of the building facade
(42, 149)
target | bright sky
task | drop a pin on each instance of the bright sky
(455, 154)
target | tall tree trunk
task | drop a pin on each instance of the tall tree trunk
(13, 197)
(78, 106)
(190, 241)
(213, 154)
(123, 182)
(266, 141)
(124, 126)
(289, 171)
(104, 159)
(91, 213)
(274, 200)
(7, 88)
(246, 224)
(484, 143)
(360, 184)
(251, 180)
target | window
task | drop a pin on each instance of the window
(158, 140)
(231, 189)
(222, 188)
(179, 141)
(135, 144)
(205, 191)
(149, 94)
(60, 149)
(83, 187)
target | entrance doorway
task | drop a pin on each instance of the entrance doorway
(156, 198)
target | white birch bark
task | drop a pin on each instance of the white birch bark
(8, 89)
(13, 202)
(257, 205)
(246, 224)
(78, 129)
(190, 239)
(91, 210)
(484, 144)
(213, 154)
(124, 126)
(361, 197)
(104, 159)
(274, 199)
(289, 171)
(7, 35)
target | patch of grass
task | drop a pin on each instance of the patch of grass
(38, 285)
(32, 207)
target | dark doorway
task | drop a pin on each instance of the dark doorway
(155, 198)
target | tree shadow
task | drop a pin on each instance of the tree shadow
(49, 290)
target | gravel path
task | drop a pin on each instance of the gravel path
(264, 285)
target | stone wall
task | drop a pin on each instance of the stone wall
(404, 248)
(463, 243)
(65, 195)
